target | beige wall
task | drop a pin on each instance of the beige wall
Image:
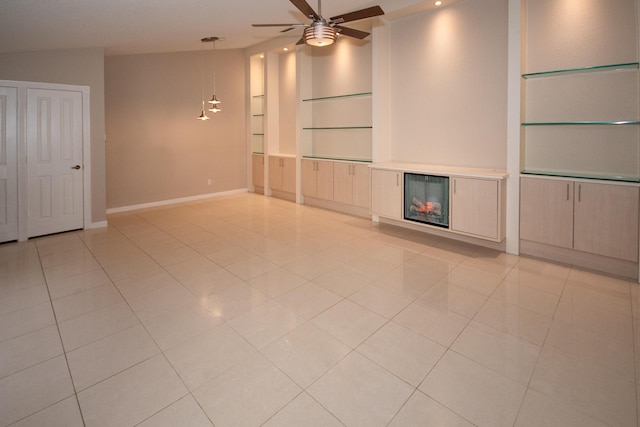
(156, 149)
(448, 86)
(77, 67)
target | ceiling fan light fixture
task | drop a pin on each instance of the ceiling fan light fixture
(320, 34)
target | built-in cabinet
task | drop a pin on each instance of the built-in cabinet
(476, 198)
(386, 193)
(338, 185)
(476, 207)
(351, 184)
(282, 173)
(257, 170)
(590, 217)
(580, 136)
(317, 179)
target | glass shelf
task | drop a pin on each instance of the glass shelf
(258, 115)
(258, 96)
(625, 66)
(339, 128)
(578, 175)
(258, 134)
(350, 95)
(626, 122)
(338, 158)
(260, 153)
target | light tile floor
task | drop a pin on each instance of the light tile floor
(246, 310)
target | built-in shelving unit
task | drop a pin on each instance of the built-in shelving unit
(351, 159)
(556, 139)
(257, 124)
(593, 69)
(349, 95)
(338, 127)
(625, 122)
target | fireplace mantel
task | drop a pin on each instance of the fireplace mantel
(452, 171)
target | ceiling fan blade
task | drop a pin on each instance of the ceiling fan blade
(351, 32)
(301, 41)
(276, 25)
(287, 29)
(307, 10)
(369, 12)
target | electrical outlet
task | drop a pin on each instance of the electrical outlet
(209, 181)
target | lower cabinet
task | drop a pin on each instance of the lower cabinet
(475, 199)
(257, 170)
(595, 218)
(282, 173)
(475, 207)
(546, 211)
(317, 178)
(386, 193)
(351, 184)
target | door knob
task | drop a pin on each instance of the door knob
(76, 167)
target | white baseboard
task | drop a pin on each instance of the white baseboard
(175, 201)
(93, 225)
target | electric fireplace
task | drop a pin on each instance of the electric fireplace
(426, 199)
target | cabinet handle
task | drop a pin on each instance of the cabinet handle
(567, 192)
(579, 192)
(455, 186)
(397, 180)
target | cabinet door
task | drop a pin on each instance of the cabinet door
(342, 183)
(257, 171)
(606, 220)
(289, 175)
(361, 185)
(386, 193)
(308, 169)
(546, 211)
(324, 180)
(275, 173)
(474, 207)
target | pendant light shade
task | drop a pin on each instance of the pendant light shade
(214, 101)
(203, 115)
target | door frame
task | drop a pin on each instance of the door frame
(23, 185)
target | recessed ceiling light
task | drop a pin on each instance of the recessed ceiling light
(438, 3)
(286, 49)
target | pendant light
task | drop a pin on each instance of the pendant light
(215, 103)
(203, 115)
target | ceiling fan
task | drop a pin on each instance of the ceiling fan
(323, 32)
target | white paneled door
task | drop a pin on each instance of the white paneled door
(54, 161)
(8, 164)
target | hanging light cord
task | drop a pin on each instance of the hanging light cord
(214, 67)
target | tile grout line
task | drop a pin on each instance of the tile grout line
(55, 317)
(161, 351)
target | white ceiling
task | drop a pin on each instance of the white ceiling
(152, 26)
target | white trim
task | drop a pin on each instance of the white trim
(175, 201)
(86, 155)
(23, 188)
(100, 224)
(514, 72)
